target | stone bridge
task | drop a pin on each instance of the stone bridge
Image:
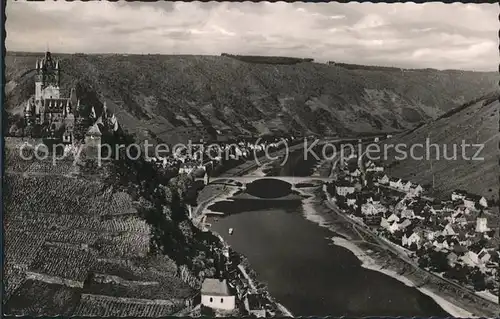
(249, 179)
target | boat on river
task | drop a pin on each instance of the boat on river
(231, 231)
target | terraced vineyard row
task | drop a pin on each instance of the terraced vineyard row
(124, 245)
(48, 167)
(73, 236)
(135, 270)
(113, 205)
(19, 219)
(130, 224)
(60, 195)
(64, 262)
(101, 306)
(21, 247)
(150, 292)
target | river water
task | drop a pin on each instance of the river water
(301, 267)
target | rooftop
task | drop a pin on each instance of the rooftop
(215, 287)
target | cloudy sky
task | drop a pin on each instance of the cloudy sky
(442, 36)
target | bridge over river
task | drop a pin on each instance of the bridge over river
(249, 179)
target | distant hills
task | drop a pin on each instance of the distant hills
(175, 98)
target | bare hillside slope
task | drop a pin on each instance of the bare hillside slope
(474, 123)
(179, 95)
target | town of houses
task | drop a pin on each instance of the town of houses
(452, 238)
(201, 157)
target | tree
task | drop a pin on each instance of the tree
(413, 247)
(438, 261)
(478, 280)
(458, 272)
(423, 262)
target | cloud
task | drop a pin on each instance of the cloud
(403, 35)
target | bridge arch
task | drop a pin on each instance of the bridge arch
(249, 179)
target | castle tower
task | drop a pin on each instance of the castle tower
(47, 79)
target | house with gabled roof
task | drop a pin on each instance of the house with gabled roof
(470, 258)
(448, 230)
(441, 243)
(408, 213)
(406, 185)
(414, 238)
(390, 223)
(416, 190)
(384, 180)
(351, 199)
(216, 294)
(374, 167)
(342, 188)
(469, 202)
(458, 194)
(404, 224)
(372, 209)
(477, 199)
(484, 256)
(395, 182)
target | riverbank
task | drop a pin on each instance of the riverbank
(251, 274)
(374, 254)
(211, 194)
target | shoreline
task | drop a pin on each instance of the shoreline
(371, 264)
(312, 214)
(316, 211)
(223, 195)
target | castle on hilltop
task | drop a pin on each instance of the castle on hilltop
(55, 114)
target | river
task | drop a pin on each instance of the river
(301, 267)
